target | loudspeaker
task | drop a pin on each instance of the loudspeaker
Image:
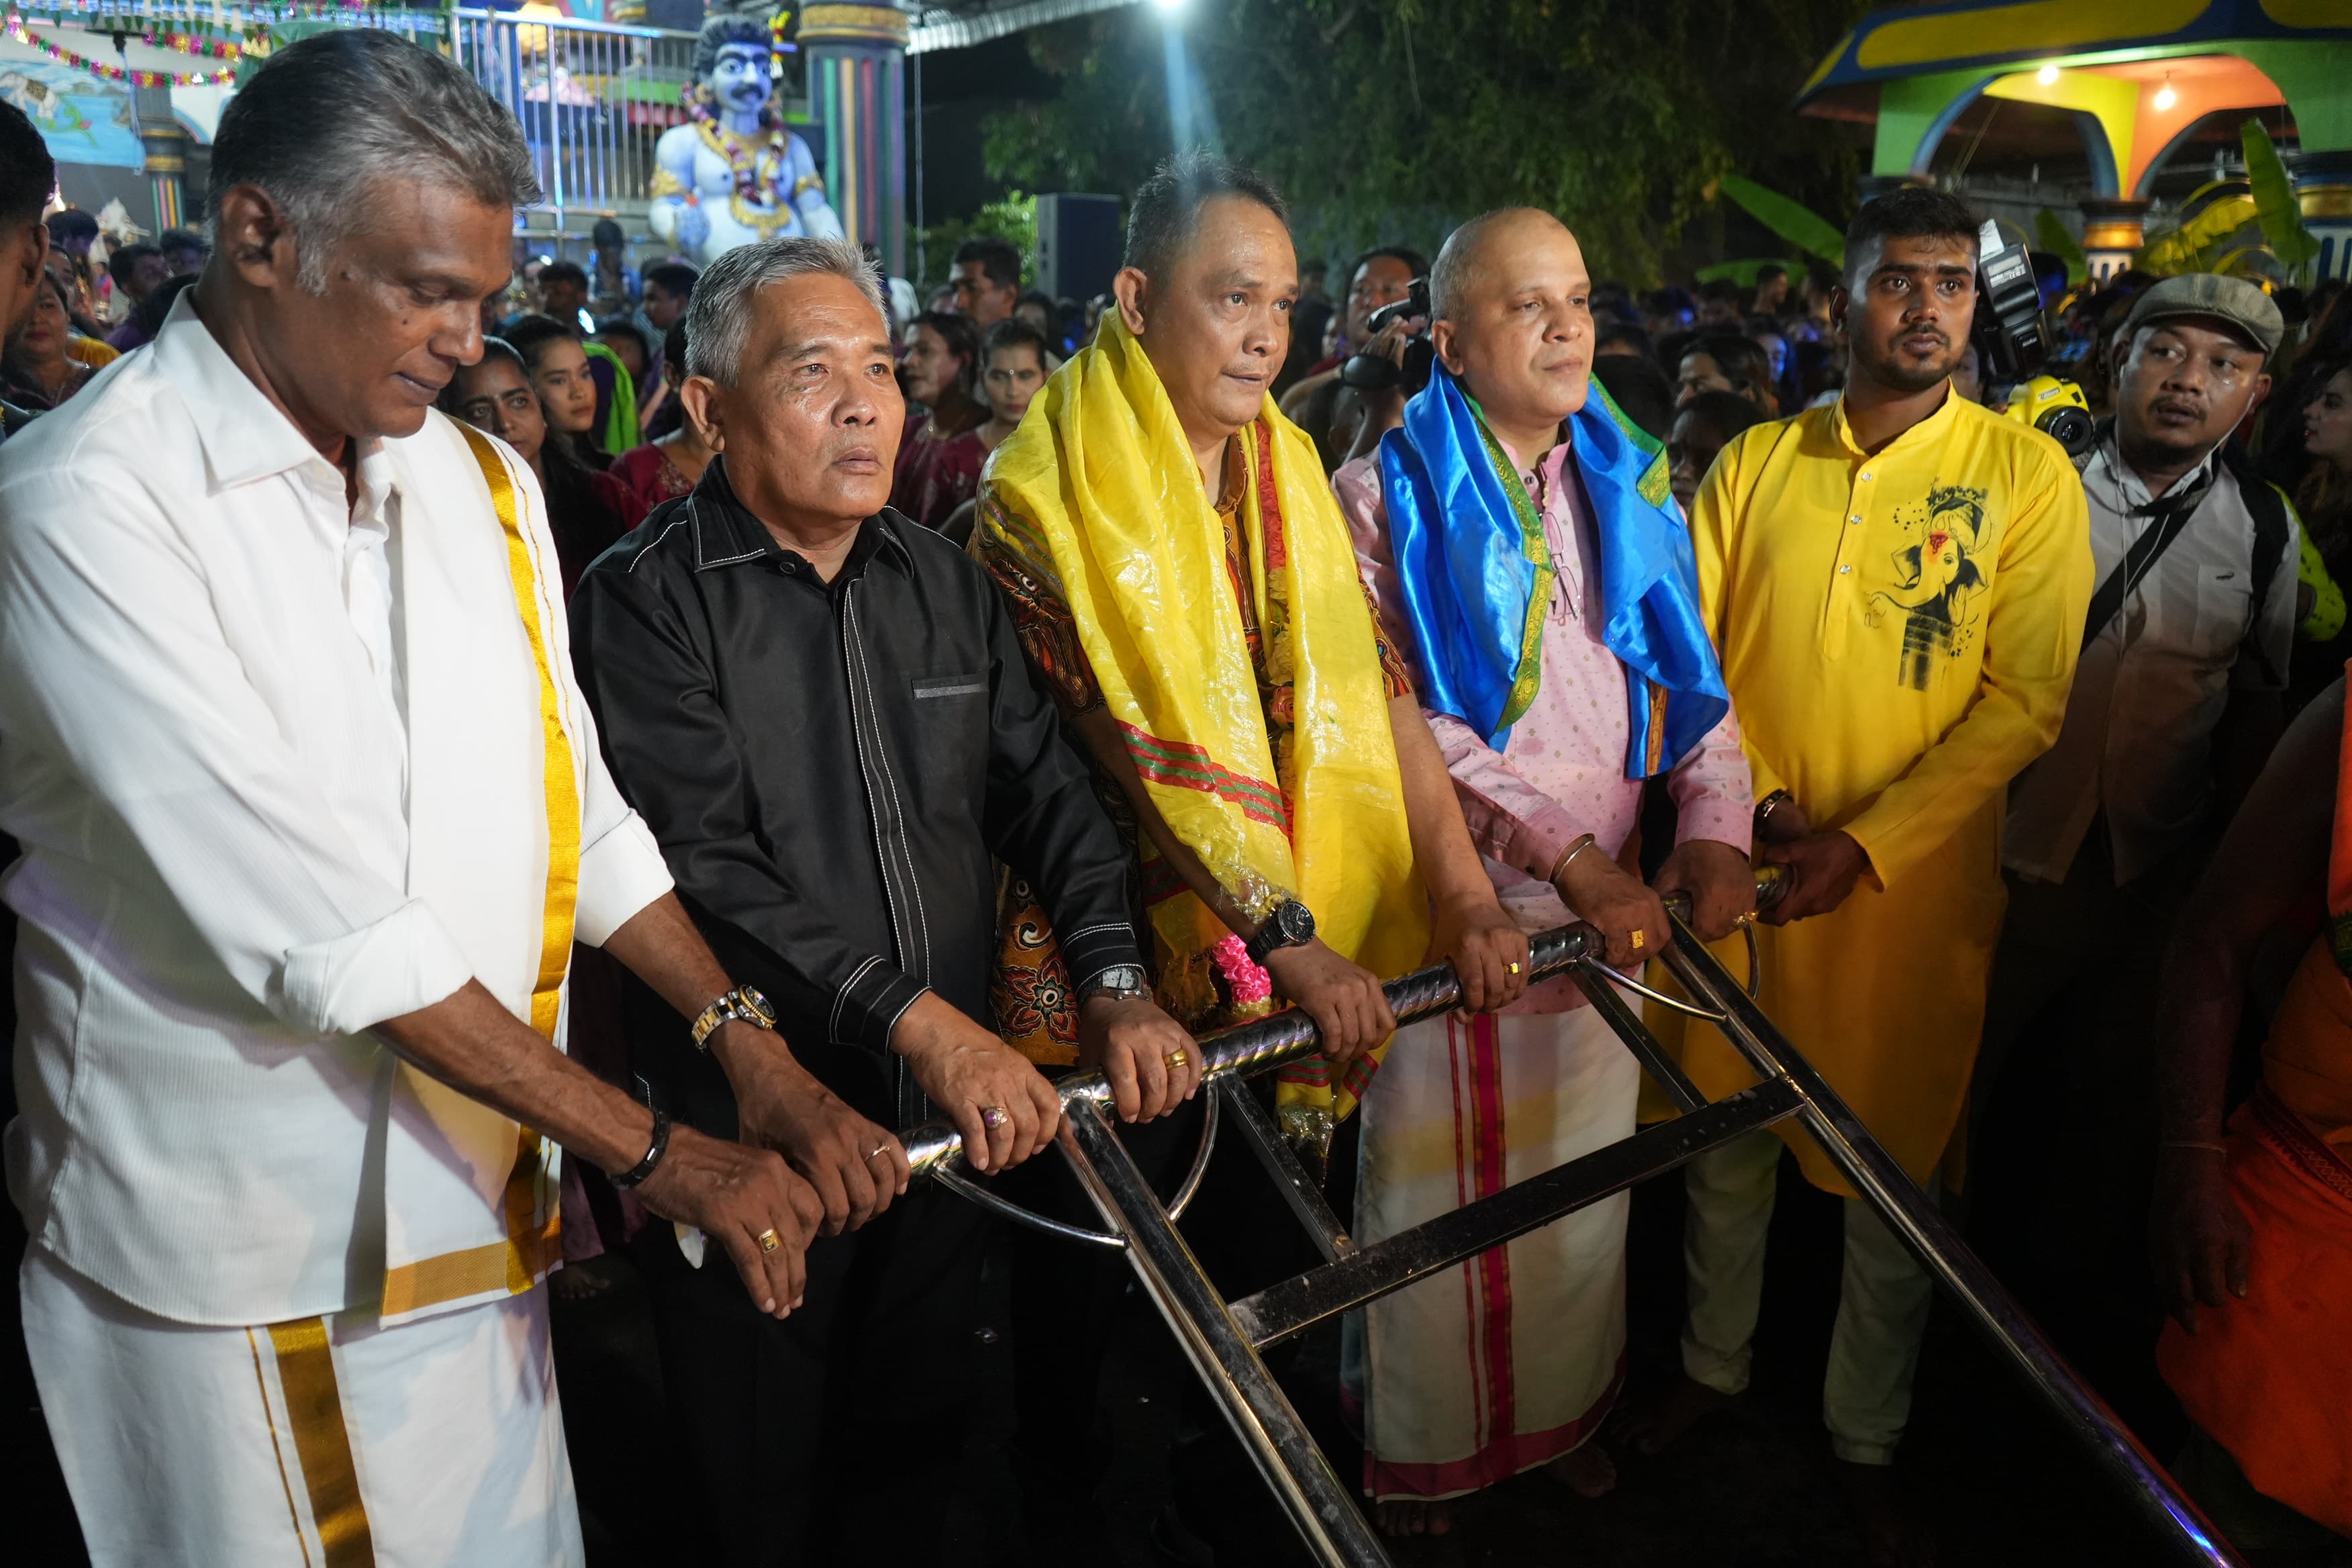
(1077, 245)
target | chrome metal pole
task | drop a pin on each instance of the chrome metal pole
(1268, 1043)
(1261, 1414)
(1875, 1174)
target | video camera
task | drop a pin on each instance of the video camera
(2014, 345)
(1378, 372)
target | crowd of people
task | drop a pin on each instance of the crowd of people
(506, 769)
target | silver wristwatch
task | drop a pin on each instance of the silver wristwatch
(742, 1004)
(1120, 983)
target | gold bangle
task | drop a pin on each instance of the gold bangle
(1560, 867)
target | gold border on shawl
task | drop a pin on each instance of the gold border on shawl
(515, 1264)
(322, 1444)
(1529, 677)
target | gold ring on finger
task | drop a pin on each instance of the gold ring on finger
(1637, 939)
(1176, 1058)
(877, 1150)
(993, 1117)
(768, 1240)
(1511, 968)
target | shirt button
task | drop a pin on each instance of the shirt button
(1866, 474)
(1855, 518)
(1843, 570)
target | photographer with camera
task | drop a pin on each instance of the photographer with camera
(2176, 704)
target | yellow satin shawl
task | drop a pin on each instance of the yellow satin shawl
(1098, 495)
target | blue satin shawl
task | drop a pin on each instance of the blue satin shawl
(1471, 559)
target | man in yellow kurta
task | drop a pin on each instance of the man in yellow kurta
(1897, 584)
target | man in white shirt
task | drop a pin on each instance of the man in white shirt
(311, 812)
(2174, 707)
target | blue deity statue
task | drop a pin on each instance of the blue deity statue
(735, 173)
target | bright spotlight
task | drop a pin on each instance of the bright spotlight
(2165, 97)
(1168, 7)
(2047, 75)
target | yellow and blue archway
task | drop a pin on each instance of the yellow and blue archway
(2135, 74)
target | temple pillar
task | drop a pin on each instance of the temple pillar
(166, 145)
(857, 85)
(2323, 188)
(2113, 231)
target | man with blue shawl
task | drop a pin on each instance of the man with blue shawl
(1532, 565)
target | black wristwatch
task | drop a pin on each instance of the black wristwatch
(1290, 925)
(636, 1174)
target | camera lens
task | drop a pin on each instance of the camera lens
(2070, 428)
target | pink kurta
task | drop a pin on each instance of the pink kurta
(1515, 1358)
(1562, 771)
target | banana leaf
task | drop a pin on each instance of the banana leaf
(2274, 204)
(1742, 272)
(1792, 221)
(2050, 235)
(2191, 245)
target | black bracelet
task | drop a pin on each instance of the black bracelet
(637, 1172)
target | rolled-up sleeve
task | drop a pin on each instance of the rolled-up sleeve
(114, 668)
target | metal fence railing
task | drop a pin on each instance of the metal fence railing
(593, 99)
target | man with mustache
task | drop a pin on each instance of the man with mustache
(2175, 705)
(1555, 685)
(1185, 584)
(1896, 585)
(821, 712)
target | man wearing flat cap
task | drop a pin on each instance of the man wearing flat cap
(2175, 705)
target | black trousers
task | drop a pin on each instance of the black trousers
(837, 1432)
(2062, 1111)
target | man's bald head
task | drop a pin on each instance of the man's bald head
(1512, 321)
(1463, 266)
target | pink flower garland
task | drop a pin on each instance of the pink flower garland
(1250, 983)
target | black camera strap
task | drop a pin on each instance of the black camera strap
(2171, 514)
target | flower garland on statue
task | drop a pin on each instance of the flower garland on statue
(65, 56)
(756, 168)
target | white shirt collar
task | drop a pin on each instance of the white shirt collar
(245, 436)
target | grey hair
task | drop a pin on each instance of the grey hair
(327, 118)
(719, 317)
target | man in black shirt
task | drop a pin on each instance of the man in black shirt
(823, 713)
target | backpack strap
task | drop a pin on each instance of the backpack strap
(2273, 527)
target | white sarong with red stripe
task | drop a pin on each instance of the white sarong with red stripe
(1516, 1357)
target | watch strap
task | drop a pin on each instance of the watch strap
(1273, 936)
(739, 1003)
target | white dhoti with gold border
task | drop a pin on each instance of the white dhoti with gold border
(1515, 1358)
(331, 1442)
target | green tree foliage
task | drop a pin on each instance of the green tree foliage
(1011, 216)
(1395, 119)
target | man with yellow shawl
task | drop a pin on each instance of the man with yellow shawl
(1896, 584)
(1181, 576)
(2252, 1220)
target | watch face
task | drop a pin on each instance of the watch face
(1296, 921)
(759, 1007)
